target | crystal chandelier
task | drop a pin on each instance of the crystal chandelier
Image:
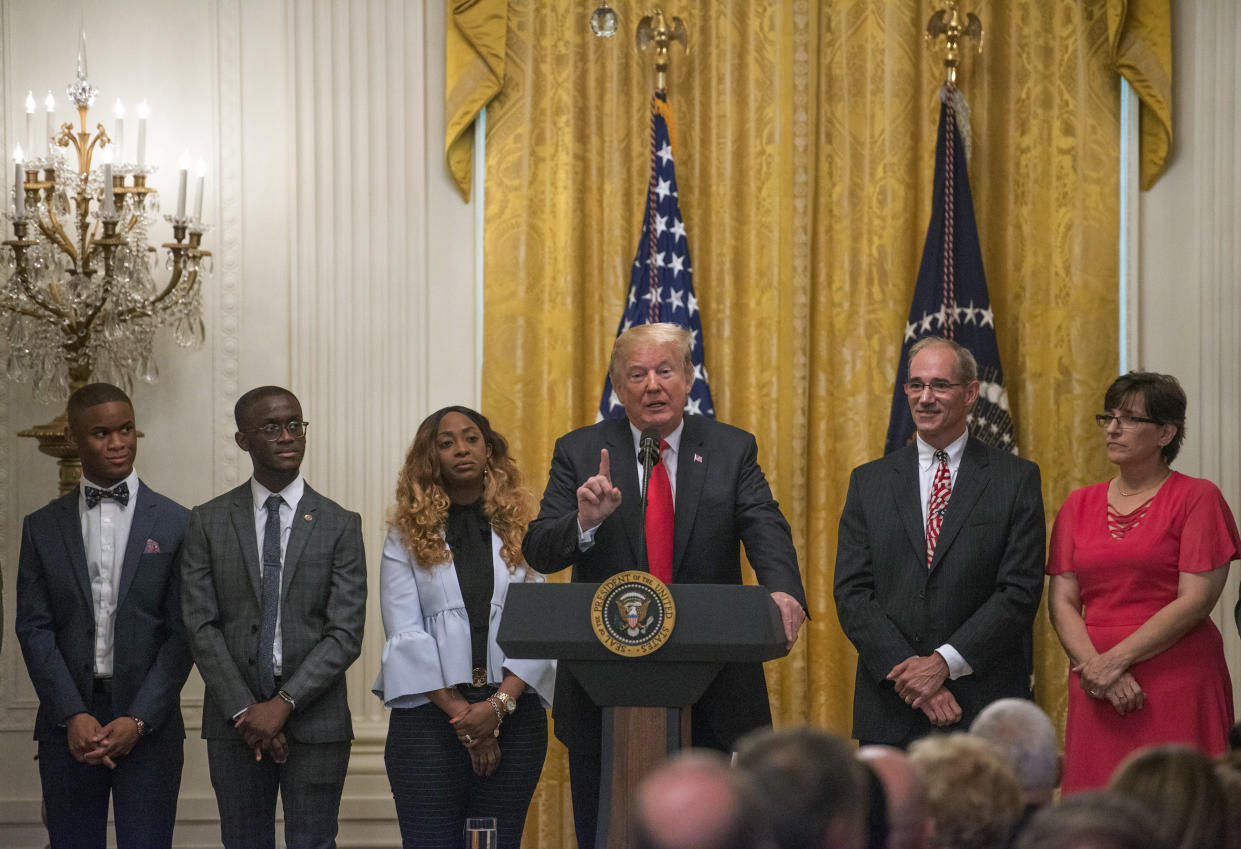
(78, 291)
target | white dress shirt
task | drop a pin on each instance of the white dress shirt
(667, 456)
(292, 494)
(927, 466)
(105, 533)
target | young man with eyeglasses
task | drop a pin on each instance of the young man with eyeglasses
(939, 564)
(274, 598)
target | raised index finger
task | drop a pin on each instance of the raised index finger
(605, 465)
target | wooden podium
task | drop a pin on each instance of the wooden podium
(644, 699)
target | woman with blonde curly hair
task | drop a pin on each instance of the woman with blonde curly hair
(468, 732)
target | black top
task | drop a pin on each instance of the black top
(469, 538)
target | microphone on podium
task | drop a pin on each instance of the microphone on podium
(648, 455)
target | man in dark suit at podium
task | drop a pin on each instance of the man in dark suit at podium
(939, 564)
(717, 497)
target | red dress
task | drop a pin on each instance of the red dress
(1187, 528)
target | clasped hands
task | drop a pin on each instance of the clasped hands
(1106, 678)
(262, 727)
(477, 725)
(920, 682)
(92, 743)
(597, 499)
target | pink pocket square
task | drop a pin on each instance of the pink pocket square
(152, 547)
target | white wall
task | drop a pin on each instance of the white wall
(1188, 306)
(344, 269)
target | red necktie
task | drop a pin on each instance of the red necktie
(659, 520)
(941, 488)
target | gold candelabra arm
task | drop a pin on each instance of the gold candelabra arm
(953, 25)
(657, 32)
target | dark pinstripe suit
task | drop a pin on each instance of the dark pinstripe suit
(980, 594)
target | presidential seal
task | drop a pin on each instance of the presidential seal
(633, 613)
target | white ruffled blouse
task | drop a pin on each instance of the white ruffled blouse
(428, 630)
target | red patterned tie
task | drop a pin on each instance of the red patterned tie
(659, 520)
(941, 488)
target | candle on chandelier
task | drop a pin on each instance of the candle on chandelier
(50, 103)
(118, 138)
(109, 200)
(143, 112)
(201, 171)
(30, 105)
(19, 182)
(181, 183)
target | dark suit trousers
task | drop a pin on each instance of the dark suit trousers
(143, 787)
(435, 786)
(310, 784)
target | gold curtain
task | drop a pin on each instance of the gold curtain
(805, 145)
(474, 73)
(1140, 33)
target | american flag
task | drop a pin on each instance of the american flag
(950, 298)
(661, 286)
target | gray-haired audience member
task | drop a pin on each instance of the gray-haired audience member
(814, 789)
(1025, 735)
(973, 793)
(696, 801)
(909, 817)
(1093, 820)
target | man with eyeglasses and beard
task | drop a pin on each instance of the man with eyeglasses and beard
(939, 564)
(274, 598)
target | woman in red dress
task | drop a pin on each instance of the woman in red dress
(1137, 563)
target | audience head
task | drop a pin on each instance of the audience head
(1025, 735)
(1177, 784)
(877, 827)
(101, 429)
(973, 793)
(909, 819)
(696, 801)
(1095, 820)
(814, 789)
(1228, 773)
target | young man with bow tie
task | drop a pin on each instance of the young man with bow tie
(99, 623)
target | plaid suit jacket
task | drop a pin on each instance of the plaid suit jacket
(323, 609)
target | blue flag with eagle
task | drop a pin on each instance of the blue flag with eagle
(661, 286)
(950, 298)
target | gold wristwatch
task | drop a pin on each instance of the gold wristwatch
(510, 703)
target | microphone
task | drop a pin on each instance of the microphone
(648, 455)
(648, 447)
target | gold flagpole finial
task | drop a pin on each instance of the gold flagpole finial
(660, 31)
(954, 25)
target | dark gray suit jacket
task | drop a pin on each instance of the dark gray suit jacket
(980, 595)
(56, 620)
(722, 500)
(323, 608)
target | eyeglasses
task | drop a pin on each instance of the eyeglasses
(271, 431)
(1104, 420)
(939, 387)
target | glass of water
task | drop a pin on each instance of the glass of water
(480, 833)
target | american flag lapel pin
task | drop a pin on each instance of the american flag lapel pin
(697, 458)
